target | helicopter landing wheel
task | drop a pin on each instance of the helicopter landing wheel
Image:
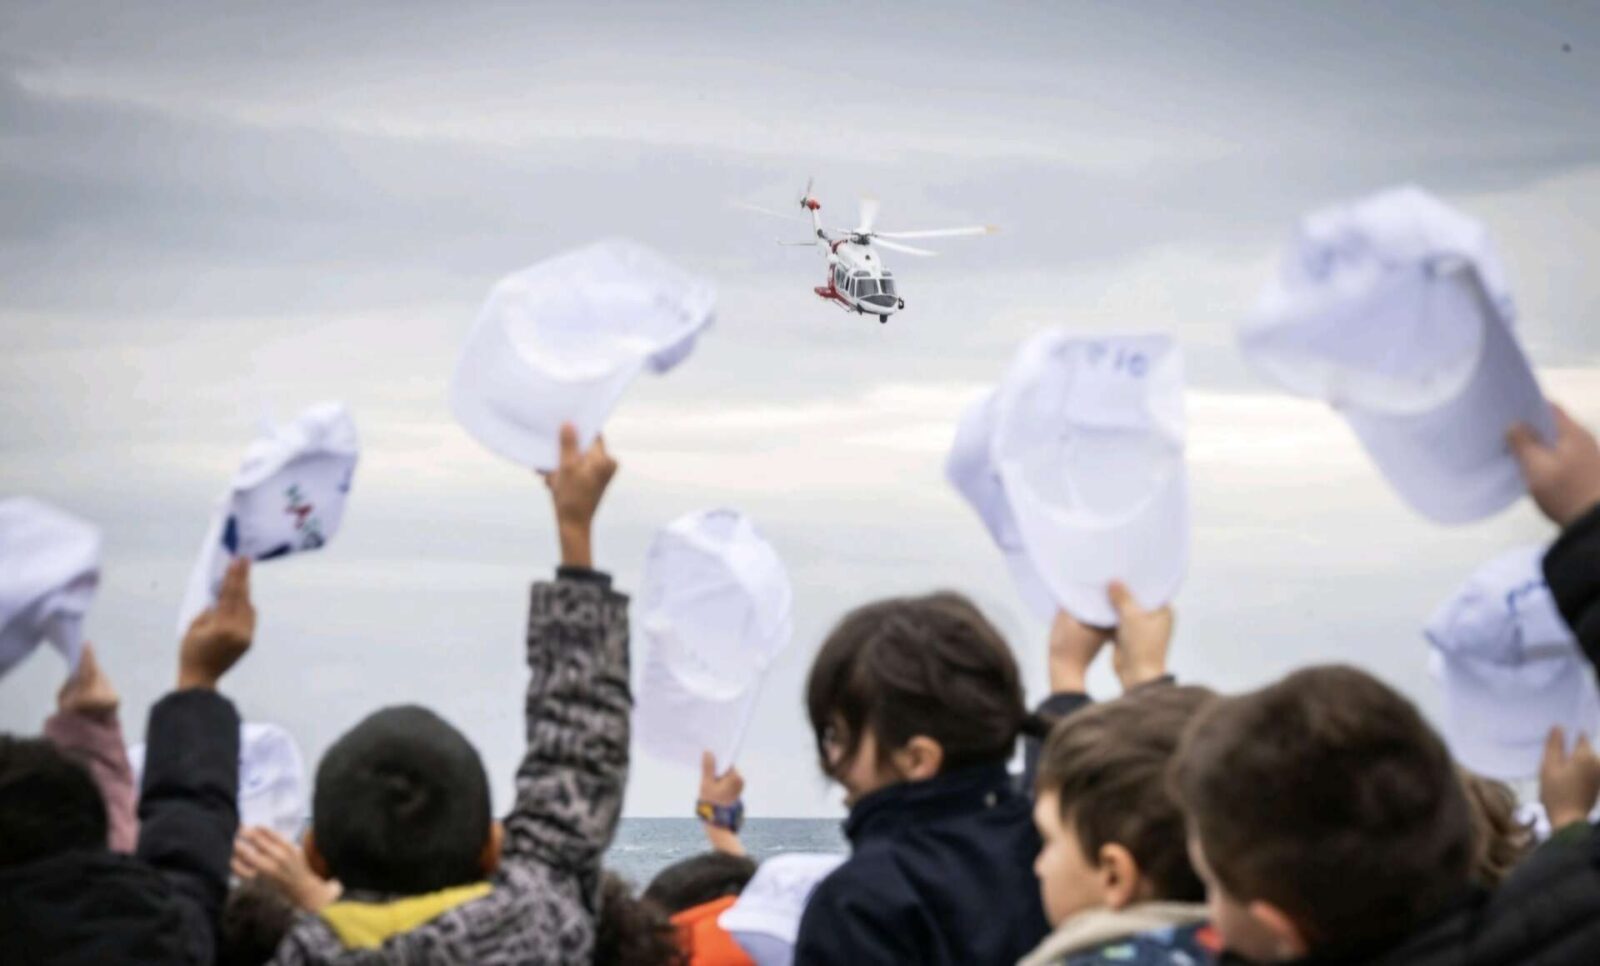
(883, 320)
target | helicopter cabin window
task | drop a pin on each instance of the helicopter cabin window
(866, 286)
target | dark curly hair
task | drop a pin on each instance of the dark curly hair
(631, 931)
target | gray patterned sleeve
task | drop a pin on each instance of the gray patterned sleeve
(570, 782)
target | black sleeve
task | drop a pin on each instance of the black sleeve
(1572, 569)
(1058, 706)
(188, 806)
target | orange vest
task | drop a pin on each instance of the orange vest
(704, 940)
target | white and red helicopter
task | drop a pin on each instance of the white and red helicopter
(857, 278)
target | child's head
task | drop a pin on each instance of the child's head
(48, 803)
(699, 879)
(1324, 814)
(254, 921)
(1499, 839)
(1112, 833)
(402, 806)
(910, 687)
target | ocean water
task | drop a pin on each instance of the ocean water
(644, 846)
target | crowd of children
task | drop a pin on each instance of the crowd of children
(1319, 819)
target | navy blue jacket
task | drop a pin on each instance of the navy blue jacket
(941, 873)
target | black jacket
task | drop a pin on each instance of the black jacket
(941, 873)
(160, 905)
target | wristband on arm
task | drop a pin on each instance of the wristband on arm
(730, 817)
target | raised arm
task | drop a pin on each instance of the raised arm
(86, 724)
(570, 782)
(188, 808)
(1563, 477)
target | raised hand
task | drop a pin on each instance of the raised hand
(1143, 638)
(576, 487)
(723, 789)
(1073, 647)
(88, 691)
(261, 853)
(220, 635)
(1569, 785)
(1563, 477)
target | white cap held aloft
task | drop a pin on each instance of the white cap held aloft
(1088, 442)
(716, 610)
(1396, 311)
(49, 569)
(288, 496)
(559, 342)
(1509, 667)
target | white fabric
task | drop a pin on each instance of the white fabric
(560, 341)
(716, 610)
(1395, 310)
(775, 897)
(1509, 668)
(272, 779)
(1089, 446)
(971, 470)
(49, 569)
(288, 496)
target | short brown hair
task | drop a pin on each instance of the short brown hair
(909, 666)
(1108, 766)
(1499, 839)
(1327, 795)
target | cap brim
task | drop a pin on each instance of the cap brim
(516, 408)
(1078, 556)
(1496, 719)
(1451, 463)
(761, 923)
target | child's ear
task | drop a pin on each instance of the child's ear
(1120, 882)
(1290, 941)
(489, 859)
(314, 859)
(919, 759)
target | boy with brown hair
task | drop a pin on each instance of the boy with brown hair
(1114, 863)
(1324, 816)
(401, 811)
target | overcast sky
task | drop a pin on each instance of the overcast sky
(212, 210)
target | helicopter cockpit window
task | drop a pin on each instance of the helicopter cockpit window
(866, 286)
(888, 285)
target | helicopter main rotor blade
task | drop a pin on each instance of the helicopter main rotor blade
(767, 211)
(869, 214)
(941, 232)
(897, 247)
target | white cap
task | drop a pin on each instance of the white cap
(272, 778)
(971, 470)
(559, 342)
(1396, 311)
(1509, 667)
(288, 496)
(49, 569)
(1089, 443)
(775, 897)
(716, 609)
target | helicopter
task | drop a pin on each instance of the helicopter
(857, 278)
